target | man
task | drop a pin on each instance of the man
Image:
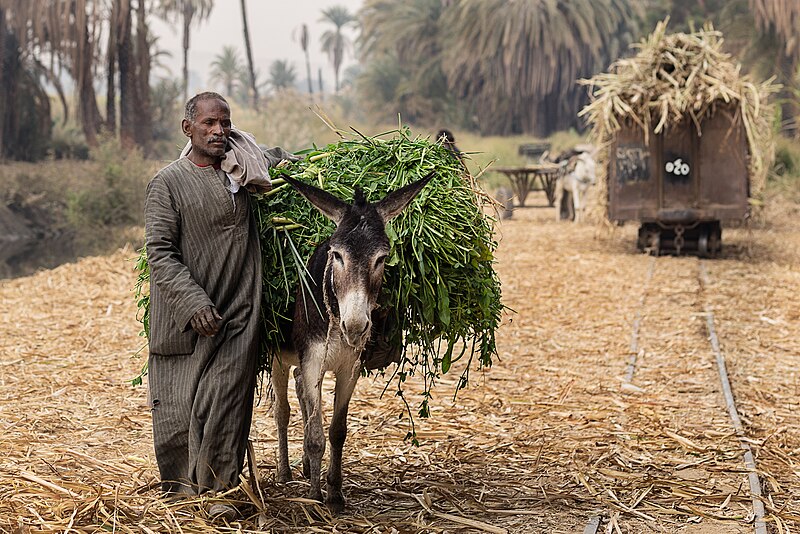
(448, 140)
(205, 295)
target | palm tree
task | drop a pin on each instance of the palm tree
(187, 11)
(166, 106)
(379, 87)
(281, 75)
(25, 122)
(243, 92)
(226, 69)
(517, 63)
(70, 34)
(303, 39)
(781, 19)
(6, 83)
(400, 42)
(511, 67)
(249, 51)
(334, 42)
(409, 29)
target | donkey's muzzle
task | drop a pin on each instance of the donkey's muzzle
(356, 330)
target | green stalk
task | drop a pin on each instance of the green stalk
(440, 284)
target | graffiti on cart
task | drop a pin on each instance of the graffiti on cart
(633, 164)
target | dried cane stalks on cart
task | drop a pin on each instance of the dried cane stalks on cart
(679, 77)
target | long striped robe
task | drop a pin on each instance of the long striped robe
(203, 249)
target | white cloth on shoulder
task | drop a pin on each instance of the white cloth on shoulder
(244, 162)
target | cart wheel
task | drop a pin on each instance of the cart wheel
(715, 240)
(702, 243)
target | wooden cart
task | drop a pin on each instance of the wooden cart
(681, 186)
(532, 177)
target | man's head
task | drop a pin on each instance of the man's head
(447, 134)
(207, 122)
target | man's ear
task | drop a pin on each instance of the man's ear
(186, 127)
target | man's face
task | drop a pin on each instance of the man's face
(210, 129)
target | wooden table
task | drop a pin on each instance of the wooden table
(524, 179)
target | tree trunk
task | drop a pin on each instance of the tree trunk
(144, 128)
(790, 109)
(127, 78)
(249, 57)
(10, 76)
(111, 62)
(338, 57)
(188, 13)
(87, 98)
(308, 73)
(4, 80)
(304, 45)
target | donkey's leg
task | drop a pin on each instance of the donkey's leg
(280, 385)
(298, 387)
(559, 199)
(345, 384)
(314, 439)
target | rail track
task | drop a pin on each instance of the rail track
(637, 361)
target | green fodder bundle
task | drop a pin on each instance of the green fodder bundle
(676, 78)
(440, 286)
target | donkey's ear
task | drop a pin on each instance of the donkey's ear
(395, 202)
(330, 206)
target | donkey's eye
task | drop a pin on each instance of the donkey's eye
(337, 256)
(379, 261)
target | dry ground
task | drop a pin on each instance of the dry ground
(540, 443)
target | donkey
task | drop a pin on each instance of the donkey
(576, 178)
(346, 274)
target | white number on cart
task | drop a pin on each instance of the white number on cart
(677, 167)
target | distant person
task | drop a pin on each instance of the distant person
(449, 142)
(205, 302)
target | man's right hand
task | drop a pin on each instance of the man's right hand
(206, 321)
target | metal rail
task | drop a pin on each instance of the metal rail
(637, 321)
(593, 525)
(749, 460)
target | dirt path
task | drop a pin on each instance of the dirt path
(545, 440)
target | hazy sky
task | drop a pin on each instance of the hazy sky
(271, 24)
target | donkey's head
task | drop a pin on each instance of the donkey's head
(357, 252)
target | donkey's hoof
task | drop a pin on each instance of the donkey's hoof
(284, 477)
(335, 501)
(335, 507)
(315, 495)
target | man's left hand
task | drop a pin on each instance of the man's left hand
(206, 321)
(276, 154)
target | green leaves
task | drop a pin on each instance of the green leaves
(417, 54)
(439, 284)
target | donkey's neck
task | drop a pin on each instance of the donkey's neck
(311, 318)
